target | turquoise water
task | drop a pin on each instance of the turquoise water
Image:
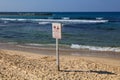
(89, 29)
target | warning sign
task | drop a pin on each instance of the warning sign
(56, 30)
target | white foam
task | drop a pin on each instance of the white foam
(12, 19)
(34, 44)
(96, 48)
(57, 20)
(43, 23)
(65, 18)
(72, 21)
(39, 45)
(8, 19)
(99, 18)
(76, 46)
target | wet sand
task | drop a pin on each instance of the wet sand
(20, 63)
(63, 51)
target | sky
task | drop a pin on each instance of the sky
(59, 5)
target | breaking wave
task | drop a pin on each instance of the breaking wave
(43, 23)
(95, 48)
(46, 21)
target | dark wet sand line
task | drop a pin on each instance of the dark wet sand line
(51, 51)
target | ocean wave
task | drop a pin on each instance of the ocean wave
(43, 23)
(57, 20)
(38, 45)
(65, 18)
(99, 18)
(95, 48)
(33, 44)
(74, 21)
(13, 19)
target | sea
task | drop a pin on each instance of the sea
(80, 30)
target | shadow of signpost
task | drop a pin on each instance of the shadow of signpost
(91, 71)
(103, 72)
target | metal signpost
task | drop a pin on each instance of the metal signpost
(56, 33)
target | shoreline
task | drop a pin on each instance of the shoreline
(63, 51)
(39, 63)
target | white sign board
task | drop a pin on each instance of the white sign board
(56, 30)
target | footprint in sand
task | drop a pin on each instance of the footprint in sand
(48, 58)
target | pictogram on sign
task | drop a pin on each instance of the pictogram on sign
(56, 30)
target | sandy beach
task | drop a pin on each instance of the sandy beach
(23, 65)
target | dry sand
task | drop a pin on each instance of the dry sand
(18, 65)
